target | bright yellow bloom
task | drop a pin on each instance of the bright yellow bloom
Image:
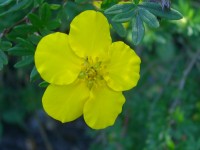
(86, 71)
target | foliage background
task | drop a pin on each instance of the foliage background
(161, 113)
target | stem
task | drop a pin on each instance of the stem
(43, 133)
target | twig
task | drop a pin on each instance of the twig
(43, 134)
(158, 97)
(187, 71)
(184, 78)
(6, 31)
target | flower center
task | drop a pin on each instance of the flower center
(91, 71)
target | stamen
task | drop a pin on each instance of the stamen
(82, 75)
(91, 71)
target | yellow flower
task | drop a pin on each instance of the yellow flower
(86, 71)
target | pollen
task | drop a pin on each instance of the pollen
(91, 71)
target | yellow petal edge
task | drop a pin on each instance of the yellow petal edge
(55, 61)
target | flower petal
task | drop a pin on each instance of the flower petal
(55, 61)
(103, 107)
(123, 68)
(65, 103)
(89, 37)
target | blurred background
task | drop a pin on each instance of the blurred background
(161, 113)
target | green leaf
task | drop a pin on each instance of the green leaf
(45, 13)
(20, 51)
(26, 44)
(54, 6)
(39, 1)
(26, 60)
(178, 115)
(119, 8)
(43, 84)
(17, 6)
(34, 75)
(136, 1)
(13, 116)
(149, 18)
(35, 20)
(5, 45)
(45, 32)
(21, 31)
(138, 30)
(157, 10)
(3, 58)
(24, 28)
(119, 28)
(124, 17)
(82, 1)
(108, 3)
(4, 2)
(35, 38)
(52, 25)
(169, 142)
